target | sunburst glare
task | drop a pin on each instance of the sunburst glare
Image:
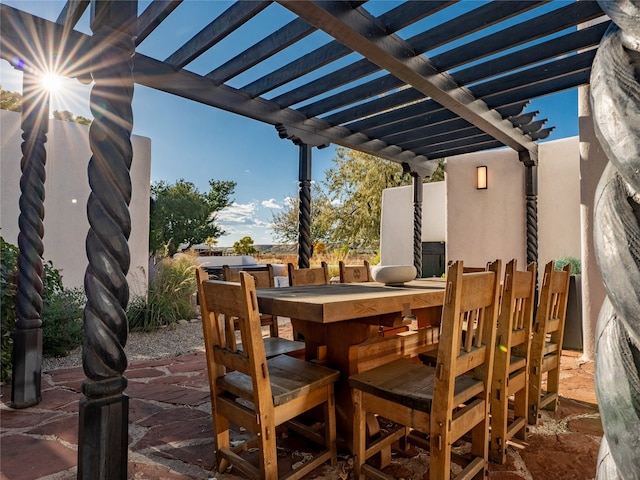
(51, 82)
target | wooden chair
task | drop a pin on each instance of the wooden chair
(546, 343)
(273, 346)
(447, 401)
(255, 393)
(511, 363)
(263, 276)
(307, 276)
(354, 273)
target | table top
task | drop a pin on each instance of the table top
(348, 301)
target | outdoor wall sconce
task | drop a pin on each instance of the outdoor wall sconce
(481, 173)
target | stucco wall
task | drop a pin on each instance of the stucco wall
(485, 224)
(559, 200)
(481, 225)
(397, 221)
(66, 193)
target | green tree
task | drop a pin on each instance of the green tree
(354, 185)
(10, 100)
(67, 116)
(284, 224)
(180, 213)
(244, 246)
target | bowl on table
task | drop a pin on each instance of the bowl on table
(393, 274)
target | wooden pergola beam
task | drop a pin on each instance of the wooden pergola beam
(361, 33)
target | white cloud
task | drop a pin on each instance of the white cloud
(237, 213)
(271, 203)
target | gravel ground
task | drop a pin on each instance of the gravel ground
(184, 338)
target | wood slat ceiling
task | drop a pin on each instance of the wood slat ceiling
(407, 81)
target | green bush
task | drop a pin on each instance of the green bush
(61, 314)
(169, 297)
(576, 268)
(62, 328)
(8, 266)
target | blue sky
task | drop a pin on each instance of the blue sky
(199, 143)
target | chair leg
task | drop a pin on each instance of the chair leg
(535, 390)
(440, 455)
(359, 433)
(273, 327)
(553, 382)
(221, 436)
(499, 420)
(520, 401)
(268, 452)
(480, 445)
(330, 425)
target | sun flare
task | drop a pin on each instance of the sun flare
(51, 81)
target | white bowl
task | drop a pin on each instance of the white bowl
(393, 274)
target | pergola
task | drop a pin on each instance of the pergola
(410, 82)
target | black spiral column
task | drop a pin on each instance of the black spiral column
(27, 338)
(417, 223)
(531, 192)
(615, 98)
(104, 407)
(304, 196)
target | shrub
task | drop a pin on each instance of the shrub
(576, 268)
(62, 328)
(61, 313)
(169, 297)
(8, 266)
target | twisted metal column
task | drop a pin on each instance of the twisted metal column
(417, 223)
(27, 338)
(304, 215)
(531, 192)
(104, 407)
(615, 97)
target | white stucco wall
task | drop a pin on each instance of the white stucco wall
(66, 193)
(481, 225)
(396, 221)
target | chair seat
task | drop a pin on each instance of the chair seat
(410, 384)
(274, 346)
(290, 378)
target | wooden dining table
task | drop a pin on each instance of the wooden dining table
(335, 318)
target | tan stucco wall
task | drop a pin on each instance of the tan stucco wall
(558, 200)
(481, 225)
(65, 222)
(486, 224)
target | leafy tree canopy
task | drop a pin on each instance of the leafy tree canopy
(244, 246)
(182, 214)
(10, 100)
(354, 185)
(67, 116)
(284, 224)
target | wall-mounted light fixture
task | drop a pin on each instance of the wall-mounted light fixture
(481, 173)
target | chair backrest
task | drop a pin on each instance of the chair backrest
(516, 310)
(468, 328)
(308, 276)
(552, 307)
(354, 273)
(226, 306)
(262, 275)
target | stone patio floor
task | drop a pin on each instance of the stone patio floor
(170, 431)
